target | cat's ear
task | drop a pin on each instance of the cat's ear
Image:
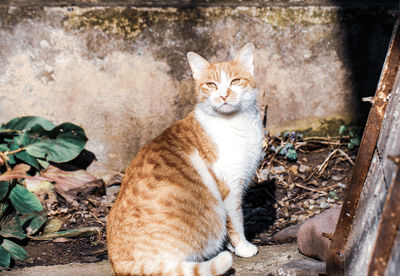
(197, 64)
(245, 57)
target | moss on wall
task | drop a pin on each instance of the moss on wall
(97, 66)
(281, 17)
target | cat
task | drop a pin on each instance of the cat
(180, 201)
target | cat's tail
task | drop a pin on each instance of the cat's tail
(216, 266)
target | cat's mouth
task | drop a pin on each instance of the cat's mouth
(226, 108)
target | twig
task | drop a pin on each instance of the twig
(97, 219)
(346, 156)
(311, 175)
(273, 198)
(324, 164)
(300, 196)
(310, 189)
(270, 164)
(324, 138)
(301, 144)
(330, 187)
(3, 157)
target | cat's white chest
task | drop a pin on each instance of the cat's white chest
(239, 143)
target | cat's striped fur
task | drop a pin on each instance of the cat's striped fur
(181, 196)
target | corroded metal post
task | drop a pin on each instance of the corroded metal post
(335, 263)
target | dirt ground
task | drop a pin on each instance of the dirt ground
(285, 192)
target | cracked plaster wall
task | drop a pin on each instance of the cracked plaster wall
(121, 73)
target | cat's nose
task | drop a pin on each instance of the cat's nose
(224, 97)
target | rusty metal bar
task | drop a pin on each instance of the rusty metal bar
(335, 257)
(388, 226)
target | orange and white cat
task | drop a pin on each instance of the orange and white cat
(180, 201)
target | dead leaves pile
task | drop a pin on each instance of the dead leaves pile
(302, 188)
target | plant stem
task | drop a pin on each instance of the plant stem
(14, 151)
(3, 157)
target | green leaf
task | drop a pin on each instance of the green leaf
(24, 201)
(5, 257)
(11, 227)
(355, 141)
(78, 232)
(4, 185)
(24, 139)
(28, 159)
(25, 123)
(43, 163)
(11, 158)
(278, 149)
(53, 225)
(334, 194)
(65, 142)
(33, 222)
(291, 154)
(342, 129)
(3, 208)
(16, 251)
(3, 147)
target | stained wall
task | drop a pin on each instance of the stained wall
(119, 69)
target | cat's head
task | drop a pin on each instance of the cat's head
(225, 87)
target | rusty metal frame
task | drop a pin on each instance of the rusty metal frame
(388, 227)
(335, 263)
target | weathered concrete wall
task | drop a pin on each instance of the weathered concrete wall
(121, 72)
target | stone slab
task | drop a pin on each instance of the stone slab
(267, 261)
(303, 268)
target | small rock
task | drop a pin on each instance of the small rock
(315, 195)
(264, 174)
(294, 169)
(303, 268)
(337, 177)
(61, 240)
(330, 200)
(313, 182)
(303, 168)
(287, 235)
(278, 170)
(324, 205)
(342, 185)
(310, 240)
(113, 190)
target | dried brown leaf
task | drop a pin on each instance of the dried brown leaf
(69, 183)
(67, 180)
(18, 172)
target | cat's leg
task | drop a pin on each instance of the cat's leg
(233, 206)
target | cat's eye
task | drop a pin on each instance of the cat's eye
(235, 82)
(211, 85)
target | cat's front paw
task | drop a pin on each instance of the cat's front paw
(245, 249)
(230, 247)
